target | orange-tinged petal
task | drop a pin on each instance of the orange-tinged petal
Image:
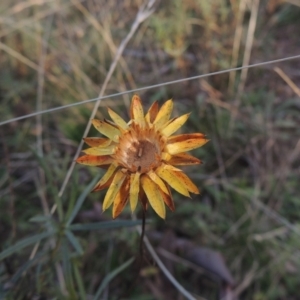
(121, 197)
(100, 150)
(184, 137)
(154, 196)
(113, 189)
(186, 145)
(152, 113)
(91, 160)
(143, 199)
(187, 182)
(97, 142)
(164, 114)
(171, 178)
(137, 110)
(158, 181)
(134, 190)
(110, 171)
(168, 200)
(104, 185)
(117, 119)
(174, 125)
(183, 159)
(107, 129)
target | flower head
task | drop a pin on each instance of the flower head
(140, 157)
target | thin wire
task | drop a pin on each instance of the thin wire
(50, 110)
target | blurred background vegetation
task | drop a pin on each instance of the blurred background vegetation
(239, 239)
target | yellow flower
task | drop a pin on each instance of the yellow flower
(140, 157)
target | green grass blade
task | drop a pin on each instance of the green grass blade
(27, 266)
(81, 199)
(74, 241)
(105, 225)
(47, 169)
(24, 243)
(65, 253)
(79, 282)
(110, 276)
(40, 219)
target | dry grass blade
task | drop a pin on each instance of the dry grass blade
(249, 44)
(141, 16)
(107, 37)
(295, 2)
(19, 56)
(290, 83)
(166, 272)
(237, 42)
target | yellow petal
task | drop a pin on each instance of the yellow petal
(134, 190)
(172, 180)
(171, 168)
(96, 142)
(91, 160)
(109, 122)
(113, 189)
(164, 114)
(174, 125)
(107, 129)
(137, 110)
(117, 119)
(110, 171)
(183, 159)
(100, 150)
(166, 156)
(154, 196)
(158, 181)
(121, 198)
(187, 182)
(186, 145)
(152, 113)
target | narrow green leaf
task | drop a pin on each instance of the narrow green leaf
(74, 241)
(73, 194)
(65, 253)
(111, 276)
(40, 219)
(38, 277)
(104, 225)
(46, 166)
(27, 266)
(79, 282)
(24, 243)
(81, 199)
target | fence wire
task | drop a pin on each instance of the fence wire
(50, 110)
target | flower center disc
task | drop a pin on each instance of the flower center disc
(142, 156)
(140, 149)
